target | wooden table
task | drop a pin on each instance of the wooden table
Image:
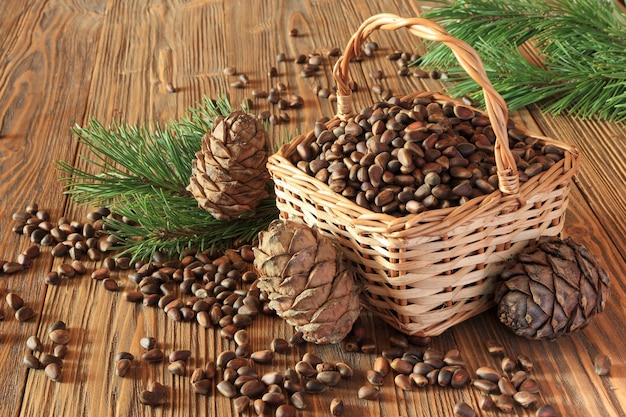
(64, 62)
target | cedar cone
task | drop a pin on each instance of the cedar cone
(555, 287)
(306, 281)
(229, 174)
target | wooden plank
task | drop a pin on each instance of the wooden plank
(129, 52)
(136, 57)
(595, 218)
(34, 83)
(35, 120)
(602, 177)
(564, 368)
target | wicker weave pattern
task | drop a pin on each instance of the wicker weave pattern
(426, 272)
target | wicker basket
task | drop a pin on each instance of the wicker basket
(426, 272)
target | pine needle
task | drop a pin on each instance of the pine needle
(142, 175)
(580, 44)
(173, 224)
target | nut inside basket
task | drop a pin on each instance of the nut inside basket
(406, 157)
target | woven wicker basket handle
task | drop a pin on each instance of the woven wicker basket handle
(470, 61)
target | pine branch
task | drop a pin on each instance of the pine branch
(142, 176)
(580, 44)
(131, 161)
(200, 118)
(172, 224)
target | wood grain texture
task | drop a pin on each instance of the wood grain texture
(44, 77)
(63, 62)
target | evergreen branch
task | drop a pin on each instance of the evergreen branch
(131, 157)
(171, 224)
(580, 44)
(135, 160)
(200, 118)
(143, 175)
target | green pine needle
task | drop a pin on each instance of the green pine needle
(581, 45)
(142, 175)
(172, 224)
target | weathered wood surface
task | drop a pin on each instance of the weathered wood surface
(63, 62)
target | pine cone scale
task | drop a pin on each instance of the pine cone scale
(302, 239)
(542, 297)
(566, 269)
(280, 303)
(273, 267)
(300, 262)
(565, 295)
(309, 299)
(328, 313)
(320, 273)
(578, 321)
(536, 258)
(519, 284)
(292, 285)
(342, 287)
(541, 273)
